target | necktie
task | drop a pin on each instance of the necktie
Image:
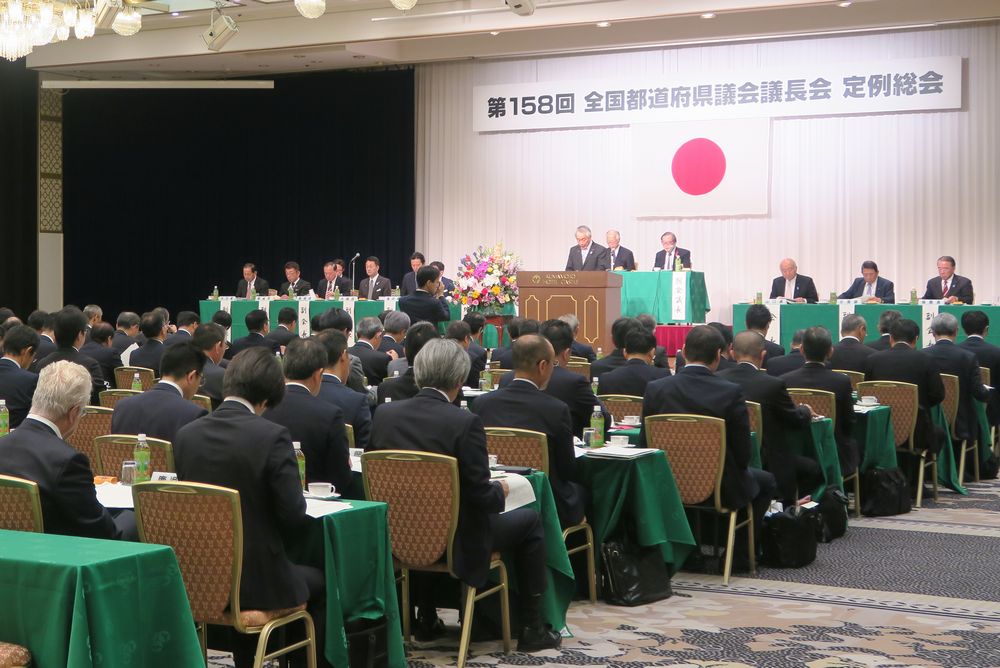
(371, 287)
(944, 288)
(868, 290)
(329, 289)
(249, 289)
(613, 253)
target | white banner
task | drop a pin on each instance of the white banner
(678, 300)
(825, 89)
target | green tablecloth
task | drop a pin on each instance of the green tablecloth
(653, 292)
(82, 602)
(794, 317)
(947, 467)
(238, 309)
(876, 438)
(642, 492)
(985, 433)
(872, 312)
(824, 450)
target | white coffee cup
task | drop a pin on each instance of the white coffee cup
(631, 419)
(619, 439)
(869, 400)
(321, 488)
(493, 460)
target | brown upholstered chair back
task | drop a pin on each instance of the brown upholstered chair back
(95, 421)
(20, 505)
(518, 447)
(695, 445)
(620, 405)
(114, 449)
(125, 374)
(903, 399)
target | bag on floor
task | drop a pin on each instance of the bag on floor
(367, 643)
(789, 538)
(989, 468)
(884, 492)
(633, 575)
(832, 517)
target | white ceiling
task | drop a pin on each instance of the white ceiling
(274, 38)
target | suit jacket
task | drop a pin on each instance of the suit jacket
(988, 356)
(422, 306)
(724, 362)
(963, 363)
(106, 357)
(521, 405)
(148, 355)
(695, 389)
(477, 363)
(234, 448)
(374, 362)
(353, 404)
(301, 288)
(211, 382)
(661, 257)
(342, 282)
(388, 343)
(398, 389)
(816, 376)
(251, 340)
(17, 387)
(623, 258)
(180, 336)
(573, 390)
(504, 357)
(630, 378)
(89, 363)
(959, 287)
(884, 290)
(383, 287)
(280, 334)
(429, 423)
(612, 360)
(804, 287)
(409, 284)
(319, 427)
(46, 347)
(579, 349)
(259, 284)
(779, 366)
(881, 343)
(449, 285)
(904, 364)
(850, 355)
(596, 260)
(782, 419)
(120, 341)
(400, 364)
(159, 413)
(65, 481)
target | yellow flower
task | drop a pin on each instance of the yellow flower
(465, 300)
(496, 289)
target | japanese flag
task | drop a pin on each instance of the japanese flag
(701, 168)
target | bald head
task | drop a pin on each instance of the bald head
(748, 346)
(788, 268)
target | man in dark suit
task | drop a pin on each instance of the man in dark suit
(404, 386)
(154, 328)
(579, 349)
(43, 324)
(619, 257)
(616, 358)
(976, 325)
(758, 319)
(316, 424)
(408, 285)
(234, 447)
(587, 255)
(166, 407)
(449, 285)
(429, 423)
(851, 353)
(793, 286)
(517, 326)
(251, 282)
(460, 332)
(523, 404)
(374, 286)
(285, 331)
(333, 280)
(36, 451)
(71, 331)
(294, 282)
(257, 329)
(396, 323)
(340, 320)
(187, 323)
(374, 362)
(477, 321)
(353, 404)
(781, 365)
(98, 346)
(958, 361)
(211, 340)
(725, 359)
(126, 329)
(870, 287)
(666, 259)
(427, 303)
(783, 423)
(660, 356)
(885, 322)
(697, 390)
(948, 285)
(17, 384)
(638, 370)
(817, 346)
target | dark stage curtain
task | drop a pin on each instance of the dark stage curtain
(19, 187)
(168, 193)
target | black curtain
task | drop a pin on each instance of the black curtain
(19, 187)
(168, 193)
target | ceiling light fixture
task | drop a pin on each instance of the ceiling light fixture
(846, 3)
(404, 5)
(603, 24)
(311, 9)
(708, 15)
(221, 29)
(128, 22)
(494, 32)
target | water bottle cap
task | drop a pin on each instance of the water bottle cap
(296, 445)
(3, 402)
(142, 437)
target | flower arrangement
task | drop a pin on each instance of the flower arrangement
(487, 279)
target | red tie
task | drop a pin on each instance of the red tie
(944, 292)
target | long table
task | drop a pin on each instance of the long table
(669, 296)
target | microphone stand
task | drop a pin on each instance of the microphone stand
(353, 284)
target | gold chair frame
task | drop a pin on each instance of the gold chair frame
(349, 429)
(125, 374)
(854, 376)
(618, 404)
(86, 445)
(581, 368)
(159, 450)
(952, 395)
(27, 490)
(202, 400)
(109, 398)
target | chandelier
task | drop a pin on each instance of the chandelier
(25, 24)
(311, 9)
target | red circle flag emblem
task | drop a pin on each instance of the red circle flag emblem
(698, 166)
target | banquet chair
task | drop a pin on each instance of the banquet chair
(582, 368)
(349, 428)
(695, 446)
(202, 400)
(114, 449)
(825, 403)
(950, 408)
(94, 421)
(756, 422)
(20, 505)
(111, 397)
(854, 376)
(523, 447)
(125, 374)
(204, 526)
(14, 656)
(620, 405)
(578, 359)
(423, 534)
(984, 373)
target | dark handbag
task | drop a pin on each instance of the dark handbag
(367, 643)
(832, 516)
(989, 468)
(633, 575)
(789, 538)
(884, 492)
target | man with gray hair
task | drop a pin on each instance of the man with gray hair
(396, 323)
(94, 314)
(430, 423)
(374, 362)
(578, 349)
(619, 257)
(127, 329)
(850, 354)
(37, 451)
(587, 255)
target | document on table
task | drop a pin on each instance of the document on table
(356, 459)
(114, 495)
(521, 494)
(862, 408)
(619, 452)
(317, 508)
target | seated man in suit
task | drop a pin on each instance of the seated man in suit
(340, 320)
(98, 346)
(166, 407)
(285, 331)
(354, 405)
(616, 358)
(587, 255)
(95, 315)
(851, 353)
(396, 323)
(517, 326)
(404, 386)
(251, 283)
(817, 346)
(660, 357)
(211, 340)
(234, 447)
(697, 390)
(333, 280)
(976, 324)
(154, 329)
(579, 349)
(885, 322)
(449, 285)
(127, 328)
(316, 424)
(43, 323)
(725, 359)
(619, 257)
(430, 423)
(187, 323)
(408, 286)
(460, 332)
(779, 366)
(638, 370)
(37, 451)
(71, 331)
(427, 303)
(758, 319)
(374, 362)
(17, 384)
(374, 286)
(476, 322)
(257, 329)
(792, 285)
(294, 282)
(870, 287)
(523, 404)
(666, 259)
(948, 285)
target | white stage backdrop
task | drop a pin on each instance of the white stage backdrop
(900, 189)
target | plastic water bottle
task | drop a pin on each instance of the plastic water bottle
(678, 266)
(253, 293)
(395, 373)
(336, 292)
(594, 385)
(4, 418)
(215, 293)
(141, 457)
(913, 296)
(464, 405)
(300, 460)
(597, 424)
(600, 352)
(136, 382)
(291, 292)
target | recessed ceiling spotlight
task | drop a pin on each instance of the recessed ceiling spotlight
(708, 15)
(603, 24)
(494, 32)
(846, 3)
(175, 13)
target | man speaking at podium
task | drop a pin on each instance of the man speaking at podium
(587, 255)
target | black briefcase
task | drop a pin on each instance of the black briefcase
(367, 643)
(633, 575)
(832, 516)
(789, 538)
(884, 492)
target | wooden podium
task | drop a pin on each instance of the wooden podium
(592, 296)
